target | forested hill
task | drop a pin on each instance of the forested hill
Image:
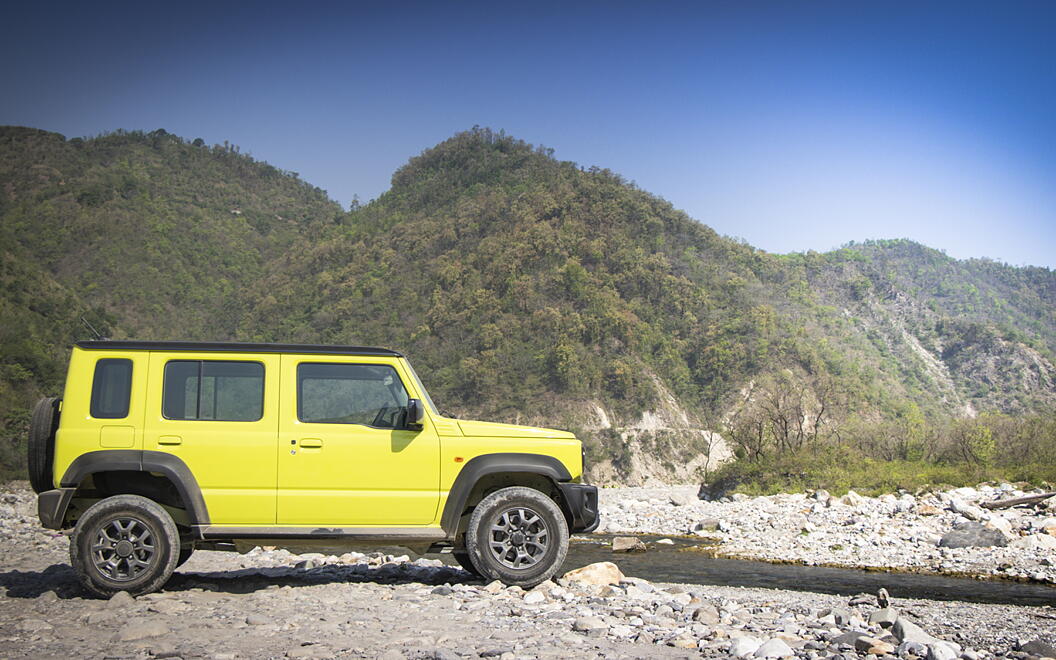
(524, 289)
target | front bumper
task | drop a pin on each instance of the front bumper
(582, 503)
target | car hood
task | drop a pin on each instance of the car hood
(496, 430)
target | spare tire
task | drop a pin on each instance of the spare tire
(41, 446)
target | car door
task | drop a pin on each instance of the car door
(343, 460)
(219, 415)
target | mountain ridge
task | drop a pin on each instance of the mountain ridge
(525, 289)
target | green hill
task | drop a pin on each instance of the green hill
(524, 289)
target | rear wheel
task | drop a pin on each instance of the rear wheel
(40, 449)
(124, 543)
(517, 535)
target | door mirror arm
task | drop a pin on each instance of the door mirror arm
(413, 415)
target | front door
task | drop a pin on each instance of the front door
(342, 460)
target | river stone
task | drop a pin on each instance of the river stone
(970, 512)
(599, 573)
(742, 647)
(707, 525)
(680, 499)
(912, 648)
(973, 535)
(591, 625)
(905, 630)
(851, 499)
(683, 641)
(141, 630)
(1039, 647)
(707, 614)
(773, 648)
(121, 599)
(34, 625)
(942, 651)
(884, 618)
(867, 644)
(627, 544)
(1035, 542)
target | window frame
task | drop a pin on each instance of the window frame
(96, 389)
(201, 362)
(299, 391)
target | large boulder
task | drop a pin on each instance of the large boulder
(600, 573)
(973, 535)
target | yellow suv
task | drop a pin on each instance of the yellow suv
(159, 448)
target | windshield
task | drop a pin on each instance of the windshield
(421, 388)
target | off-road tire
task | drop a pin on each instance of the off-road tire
(466, 563)
(148, 524)
(40, 449)
(493, 552)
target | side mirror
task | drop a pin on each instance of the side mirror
(414, 415)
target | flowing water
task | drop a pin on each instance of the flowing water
(683, 562)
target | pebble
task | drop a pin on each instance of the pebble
(855, 531)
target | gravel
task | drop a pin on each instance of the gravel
(273, 604)
(902, 531)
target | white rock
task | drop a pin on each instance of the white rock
(742, 647)
(534, 598)
(1035, 542)
(774, 648)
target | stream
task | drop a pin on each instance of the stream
(673, 563)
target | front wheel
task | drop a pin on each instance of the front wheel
(517, 535)
(124, 543)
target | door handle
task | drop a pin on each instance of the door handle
(170, 440)
(311, 443)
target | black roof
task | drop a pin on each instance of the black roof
(232, 347)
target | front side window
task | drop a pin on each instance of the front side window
(111, 388)
(367, 394)
(213, 390)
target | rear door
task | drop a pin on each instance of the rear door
(342, 460)
(219, 414)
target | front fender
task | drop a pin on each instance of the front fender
(481, 466)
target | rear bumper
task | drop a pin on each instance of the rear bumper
(52, 505)
(582, 502)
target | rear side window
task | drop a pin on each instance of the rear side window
(111, 388)
(372, 395)
(223, 391)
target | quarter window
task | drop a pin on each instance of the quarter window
(367, 394)
(213, 390)
(111, 388)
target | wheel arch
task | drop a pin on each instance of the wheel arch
(485, 474)
(151, 465)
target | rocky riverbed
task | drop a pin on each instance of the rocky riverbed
(945, 532)
(272, 604)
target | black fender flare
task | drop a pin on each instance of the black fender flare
(135, 460)
(481, 466)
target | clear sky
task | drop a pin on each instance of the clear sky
(794, 125)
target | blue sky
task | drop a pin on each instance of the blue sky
(795, 126)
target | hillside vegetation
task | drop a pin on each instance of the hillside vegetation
(531, 290)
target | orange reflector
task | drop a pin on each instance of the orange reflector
(458, 459)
